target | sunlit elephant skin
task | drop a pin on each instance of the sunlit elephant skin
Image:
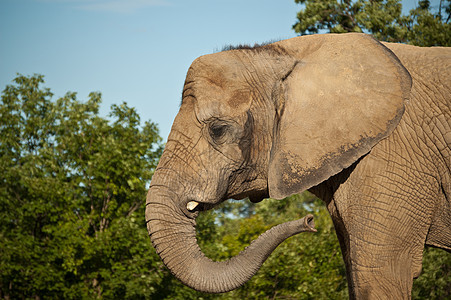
(363, 125)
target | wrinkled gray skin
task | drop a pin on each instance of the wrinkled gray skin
(364, 128)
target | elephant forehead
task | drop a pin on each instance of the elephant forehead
(218, 85)
(217, 69)
(223, 103)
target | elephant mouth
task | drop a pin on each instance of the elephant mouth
(193, 207)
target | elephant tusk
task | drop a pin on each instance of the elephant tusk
(191, 205)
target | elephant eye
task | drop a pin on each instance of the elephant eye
(217, 130)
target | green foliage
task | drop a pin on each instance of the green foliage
(72, 188)
(381, 18)
(337, 17)
(435, 279)
(428, 29)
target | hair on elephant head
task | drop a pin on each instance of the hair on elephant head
(269, 120)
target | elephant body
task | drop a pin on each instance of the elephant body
(363, 125)
(396, 199)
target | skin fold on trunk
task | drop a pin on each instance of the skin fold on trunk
(173, 234)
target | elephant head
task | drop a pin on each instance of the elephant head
(267, 121)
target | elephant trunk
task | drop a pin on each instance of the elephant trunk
(173, 234)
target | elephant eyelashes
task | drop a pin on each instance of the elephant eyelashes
(217, 131)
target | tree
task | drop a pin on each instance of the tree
(72, 189)
(435, 279)
(381, 18)
(428, 29)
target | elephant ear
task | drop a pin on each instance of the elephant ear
(341, 98)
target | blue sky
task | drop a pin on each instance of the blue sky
(136, 51)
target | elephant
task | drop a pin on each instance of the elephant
(362, 124)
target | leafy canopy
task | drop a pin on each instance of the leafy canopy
(381, 18)
(72, 189)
